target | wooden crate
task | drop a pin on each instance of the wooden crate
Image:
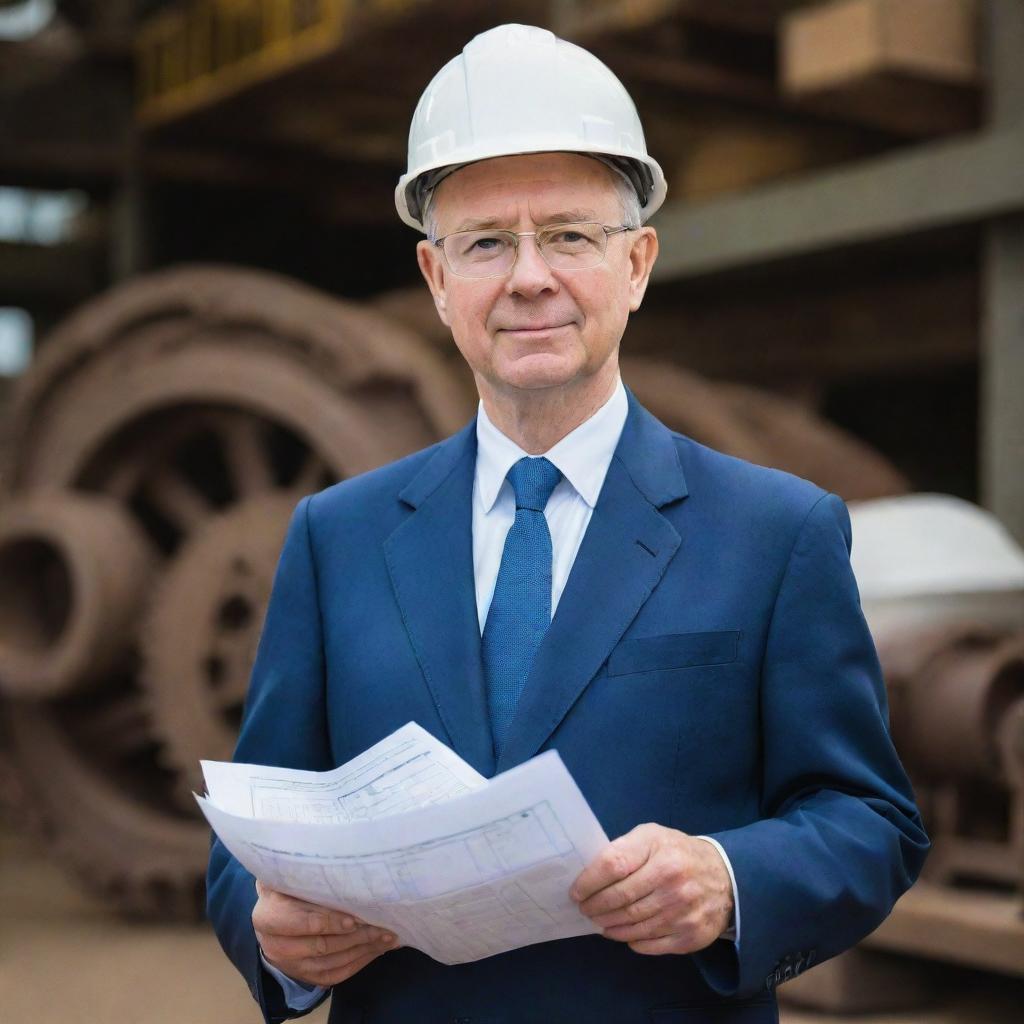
(908, 65)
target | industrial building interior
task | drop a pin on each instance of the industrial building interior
(209, 307)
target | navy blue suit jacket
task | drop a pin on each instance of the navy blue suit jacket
(708, 668)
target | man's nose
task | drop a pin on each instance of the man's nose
(530, 274)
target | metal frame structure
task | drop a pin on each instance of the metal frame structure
(188, 58)
(1002, 348)
(923, 188)
(978, 180)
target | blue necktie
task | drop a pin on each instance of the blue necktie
(520, 610)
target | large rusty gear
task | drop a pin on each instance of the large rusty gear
(200, 321)
(762, 427)
(66, 627)
(199, 639)
(182, 397)
(109, 824)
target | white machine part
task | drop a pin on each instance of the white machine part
(922, 560)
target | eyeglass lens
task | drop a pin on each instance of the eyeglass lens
(490, 253)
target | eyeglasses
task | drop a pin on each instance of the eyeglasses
(482, 254)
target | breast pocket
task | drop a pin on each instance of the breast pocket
(674, 650)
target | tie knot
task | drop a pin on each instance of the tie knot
(533, 480)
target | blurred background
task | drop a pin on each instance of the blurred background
(209, 307)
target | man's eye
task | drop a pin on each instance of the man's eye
(483, 245)
(487, 243)
(574, 235)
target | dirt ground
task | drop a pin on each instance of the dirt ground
(65, 959)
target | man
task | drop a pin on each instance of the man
(566, 573)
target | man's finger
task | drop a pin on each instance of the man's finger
(649, 906)
(618, 860)
(299, 947)
(279, 914)
(348, 956)
(340, 974)
(620, 896)
(657, 927)
(270, 893)
(685, 934)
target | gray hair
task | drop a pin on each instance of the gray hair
(628, 200)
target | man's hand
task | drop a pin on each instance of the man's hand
(312, 943)
(657, 889)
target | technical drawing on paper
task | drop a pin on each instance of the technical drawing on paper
(460, 897)
(410, 837)
(373, 791)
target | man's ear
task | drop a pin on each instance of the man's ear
(642, 254)
(431, 262)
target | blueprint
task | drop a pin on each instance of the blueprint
(408, 769)
(409, 837)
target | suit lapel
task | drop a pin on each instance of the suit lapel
(624, 554)
(430, 560)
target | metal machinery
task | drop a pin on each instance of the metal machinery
(957, 713)
(153, 456)
(942, 587)
(958, 718)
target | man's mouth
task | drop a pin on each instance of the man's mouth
(533, 328)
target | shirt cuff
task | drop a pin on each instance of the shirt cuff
(733, 931)
(297, 994)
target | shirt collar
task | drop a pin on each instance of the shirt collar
(582, 456)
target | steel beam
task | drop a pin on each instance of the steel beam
(1002, 375)
(932, 186)
(1002, 342)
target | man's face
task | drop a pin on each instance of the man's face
(537, 327)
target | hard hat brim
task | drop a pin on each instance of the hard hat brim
(409, 199)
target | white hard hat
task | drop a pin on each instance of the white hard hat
(520, 89)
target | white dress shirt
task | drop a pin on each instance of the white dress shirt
(583, 457)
